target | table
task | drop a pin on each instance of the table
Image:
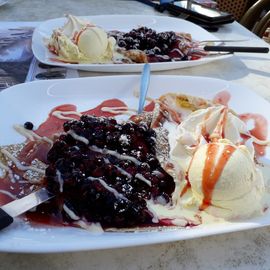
(240, 250)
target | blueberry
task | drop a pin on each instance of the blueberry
(129, 40)
(28, 125)
(150, 43)
(133, 34)
(122, 43)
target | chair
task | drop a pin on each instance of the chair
(257, 18)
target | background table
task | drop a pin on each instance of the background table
(240, 250)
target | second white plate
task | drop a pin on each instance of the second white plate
(124, 23)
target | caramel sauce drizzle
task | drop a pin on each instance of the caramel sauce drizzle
(212, 171)
(187, 185)
(217, 133)
(185, 189)
(77, 35)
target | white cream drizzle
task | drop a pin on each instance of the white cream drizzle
(115, 154)
(70, 213)
(258, 141)
(61, 115)
(60, 180)
(31, 135)
(177, 50)
(8, 194)
(143, 179)
(161, 200)
(118, 110)
(123, 171)
(136, 93)
(94, 227)
(182, 222)
(77, 137)
(105, 185)
(156, 173)
(155, 218)
(18, 164)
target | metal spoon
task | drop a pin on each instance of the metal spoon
(145, 78)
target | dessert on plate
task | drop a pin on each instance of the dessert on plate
(185, 161)
(80, 41)
(215, 150)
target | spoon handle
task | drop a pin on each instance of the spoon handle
(5, 219)
(145, 78)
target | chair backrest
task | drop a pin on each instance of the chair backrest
(261, 27)
(252, 16)
(236, 7)
(266, 35)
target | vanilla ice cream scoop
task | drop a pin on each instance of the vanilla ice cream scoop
(94, 43)
(82, 42)
(225, 181)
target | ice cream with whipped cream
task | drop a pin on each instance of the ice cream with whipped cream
(215, 151)
(80, 41)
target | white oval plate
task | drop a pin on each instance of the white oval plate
(33, 101)
(124, 23)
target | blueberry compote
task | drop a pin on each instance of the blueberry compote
(104, 171)
(158, 47)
